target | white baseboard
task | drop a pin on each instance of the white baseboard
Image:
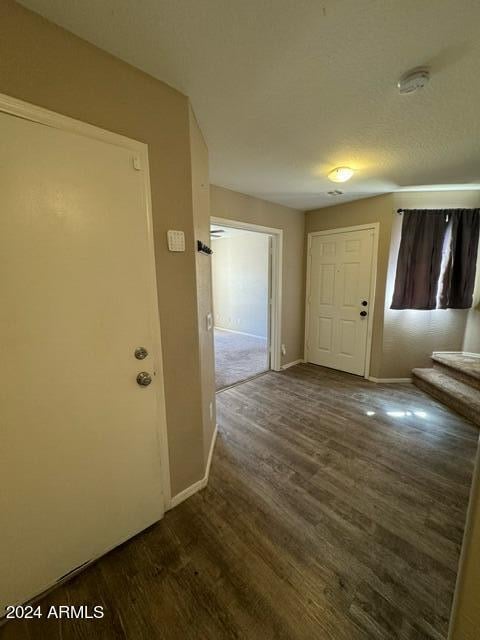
(242, 333)
(210, 454)
(388, 380)
(292, 364)
(196, 486)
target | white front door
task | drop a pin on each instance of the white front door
(79, 438)
(338, 299)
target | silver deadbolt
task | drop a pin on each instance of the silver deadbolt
(141, 353)
(144, 379)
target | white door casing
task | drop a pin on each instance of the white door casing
(83, 462)
(340, 278)
(269, 303)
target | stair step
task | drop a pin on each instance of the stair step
(462, 367)
(454, 393)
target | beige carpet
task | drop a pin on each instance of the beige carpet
(462, 366)
(238, 357)
(455, 381)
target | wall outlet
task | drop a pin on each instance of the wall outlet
(284, 350)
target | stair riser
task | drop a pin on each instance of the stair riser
(458, 375)
(448, 400)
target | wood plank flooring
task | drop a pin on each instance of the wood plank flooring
(335, 511)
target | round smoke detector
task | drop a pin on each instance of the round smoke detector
(413, 80)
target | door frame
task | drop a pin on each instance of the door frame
(461, 615)
(276, 235)
(375, 227)
(269, 305)
(139, 150)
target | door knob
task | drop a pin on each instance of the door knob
(144, 379)
(363, 313)
(141, 353)
(364, 303)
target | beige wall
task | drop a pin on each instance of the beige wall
(237, 206)
(410, 336)
(471, 341)
(240, 282)
(49, 67)
(403, 339)
(378, 209)
(465, 622)
(203, 271)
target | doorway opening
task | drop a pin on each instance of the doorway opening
(245, 288)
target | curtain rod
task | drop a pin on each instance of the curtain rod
(440, 210)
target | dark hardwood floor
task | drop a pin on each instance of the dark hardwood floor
(335, 511)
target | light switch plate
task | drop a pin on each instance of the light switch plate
(209, 321)
(176, 240)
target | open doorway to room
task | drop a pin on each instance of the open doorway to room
(244, 297)
(241, 294)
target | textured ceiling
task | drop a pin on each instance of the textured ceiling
(285, 90)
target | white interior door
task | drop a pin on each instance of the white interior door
(338, 299)
(79, 438)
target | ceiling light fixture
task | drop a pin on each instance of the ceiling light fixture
(413, 80)
(340, 174)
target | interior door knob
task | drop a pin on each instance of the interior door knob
(363, 313)
(141, 353)
(364, 303)
(144, 379)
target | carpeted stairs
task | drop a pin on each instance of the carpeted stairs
(455, 381)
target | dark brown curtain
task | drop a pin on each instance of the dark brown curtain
(458, 279)
(437, 245)
(419, 259)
